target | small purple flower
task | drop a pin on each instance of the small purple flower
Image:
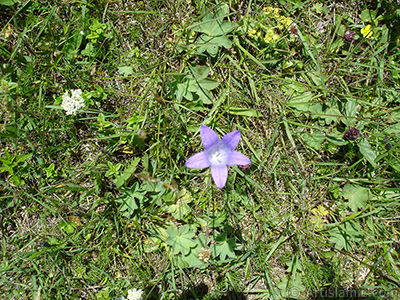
(351, 134)
(219, 154)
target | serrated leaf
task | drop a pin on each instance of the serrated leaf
(211, 44)
(356, 195)
(213, 27)
(180, 239)
(367, 152)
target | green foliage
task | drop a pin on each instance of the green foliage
(8, 2)
(224, 247)
(180, 239)
(102, 202)
(345, 235)
(214, 31)
(15, 165)
(357, 196)
(194, 86)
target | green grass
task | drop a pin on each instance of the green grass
(95, 204)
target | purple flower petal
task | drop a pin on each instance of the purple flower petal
(238, 158)
(232, 139)
(198, 161)
(208, 136)
(220, 175)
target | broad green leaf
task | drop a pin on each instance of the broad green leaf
(317, 78)
(130, 197)
(224, 248)
(393, 129)
(17, 181)
(212, 44)
(192, 259)
(317, 221)
(331, 114)
(203, 84)
(223, 10)
(314, 140)
(180, 239)
(199, 72)
(368, 15)
(356, 195)
(213, 221)
(222, 41)
(8, 2)
(302, 102)
(89, 50)
(249, 112)
(338, 141)
(204, 96)
(208, 84)
(367, 152)
(213, 26)
(344, 234)
(350, 112)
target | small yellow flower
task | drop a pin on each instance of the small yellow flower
(271, 11)
(276, 12)
(285, 21)
(252, 33)
(367, 32)
(271, 37)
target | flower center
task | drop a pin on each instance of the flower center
(218, 154)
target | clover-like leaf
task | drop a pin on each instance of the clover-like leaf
(180, 239)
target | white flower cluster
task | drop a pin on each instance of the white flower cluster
(74, 103)
(135, 294)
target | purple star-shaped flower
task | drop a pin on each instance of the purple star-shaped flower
(219, 154)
